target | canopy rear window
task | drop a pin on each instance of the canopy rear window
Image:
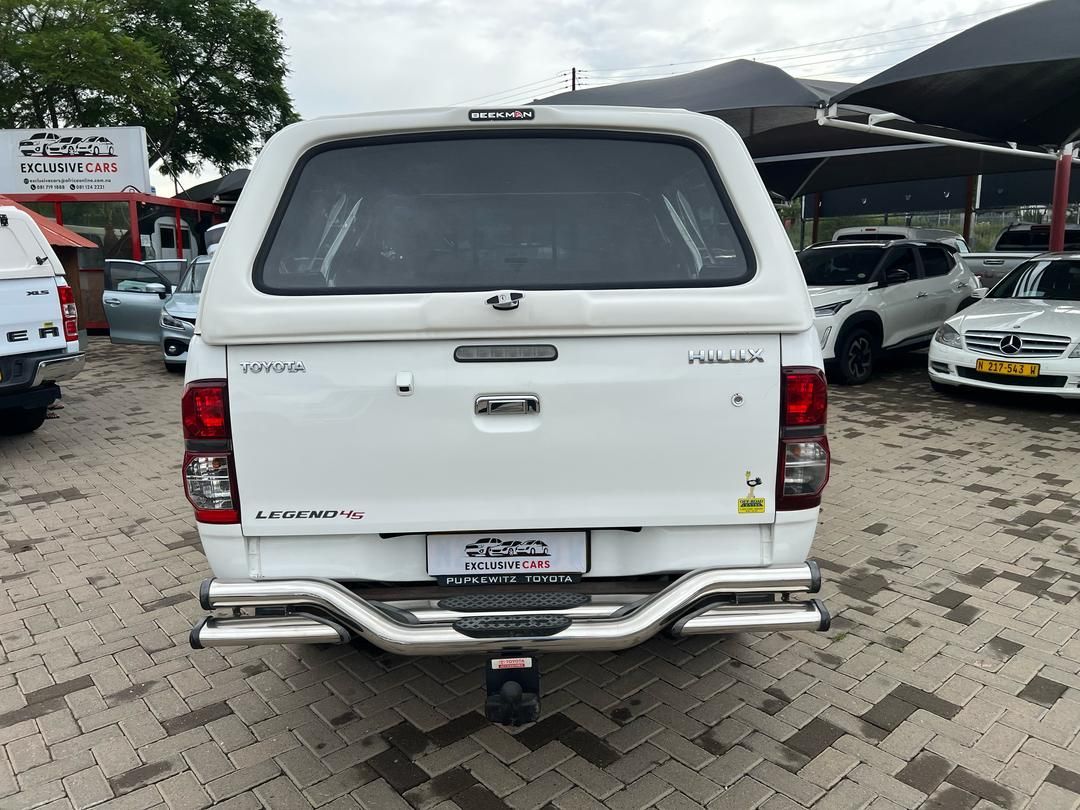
(504, 212)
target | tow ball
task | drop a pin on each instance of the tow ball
(513, 690)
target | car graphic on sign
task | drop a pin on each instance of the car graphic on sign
(96, 145)
(496, 547)
(34, 146)
(65, 146)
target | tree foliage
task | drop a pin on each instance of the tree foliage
(206, 78)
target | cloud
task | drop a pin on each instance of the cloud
(363, 55)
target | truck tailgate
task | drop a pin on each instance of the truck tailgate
(625, 433)
(30, 316)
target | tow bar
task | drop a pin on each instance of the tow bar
(513, 690)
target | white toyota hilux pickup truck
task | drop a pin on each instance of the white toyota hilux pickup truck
(505, 382)
(39, 332)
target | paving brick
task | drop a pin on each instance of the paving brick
(227, 786)
(954, 642)
(745, 794)
(379, 795)
(884, 785)
(979, 786)
(828, 767)
(787, 783)
(183, 792)
(694, 785)
(539, 792)
(925, 772)
(643, 792)
(87, 788)
(339, 784)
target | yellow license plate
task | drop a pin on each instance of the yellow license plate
(1007, 367)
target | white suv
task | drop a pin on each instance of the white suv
(505, 382)
(872, 296)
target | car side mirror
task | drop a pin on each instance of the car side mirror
(154, 287)
(980, 292)
(897, 275)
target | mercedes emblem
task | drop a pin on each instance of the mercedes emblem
(1011, 344)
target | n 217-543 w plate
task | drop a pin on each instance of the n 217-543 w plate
(507, 558)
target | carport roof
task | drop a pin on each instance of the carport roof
(1015, 77)
(56, 235)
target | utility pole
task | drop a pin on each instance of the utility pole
(573, 79)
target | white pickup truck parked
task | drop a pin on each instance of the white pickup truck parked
(1015, 245)
(503, 382)
(39, 332)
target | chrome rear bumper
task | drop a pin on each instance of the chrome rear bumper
(700, 602)
(58, 368)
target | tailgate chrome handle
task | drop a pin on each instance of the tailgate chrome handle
(993, 262)
(507, 405)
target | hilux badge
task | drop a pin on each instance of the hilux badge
(726, 356)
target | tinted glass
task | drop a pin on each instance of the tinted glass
(172, 269)
(1052, 281)
(193, 280)
(503, 213)
(126, 276)
(901, 259)
(1036, 239)
(824, 267)
(168, 238)
(935, 261)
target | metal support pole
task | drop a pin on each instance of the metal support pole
(1060, 204)
(969, 209)
(179, 234)
(133, 228)
(817, 218)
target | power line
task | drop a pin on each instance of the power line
(601, 81)
(563, 84)
(595, 77)
(815, 44)
(811, 63)
(545, 80)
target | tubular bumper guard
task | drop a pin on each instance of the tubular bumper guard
(706, 601)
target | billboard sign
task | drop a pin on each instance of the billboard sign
(72, 161)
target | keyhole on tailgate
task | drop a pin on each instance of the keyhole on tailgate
(737, 400)
(403, 382)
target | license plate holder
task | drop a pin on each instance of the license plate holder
(508, 558)
(1007, 368)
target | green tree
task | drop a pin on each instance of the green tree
(206, 78)
(226, 66)
(69, 63)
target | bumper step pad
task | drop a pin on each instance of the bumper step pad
(511, 626)
(492, 602)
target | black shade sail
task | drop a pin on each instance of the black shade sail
(776, 115)
(1015, 78)
(750, 96)
(792, 176)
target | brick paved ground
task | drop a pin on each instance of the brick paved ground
(950, 679)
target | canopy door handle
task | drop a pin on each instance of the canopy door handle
(516, 404)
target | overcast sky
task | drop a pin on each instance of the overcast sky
(360, 55)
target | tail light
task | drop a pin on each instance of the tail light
(210, 485)
(803, 468)
(70, 313)
(204, 409)
(209, 471)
